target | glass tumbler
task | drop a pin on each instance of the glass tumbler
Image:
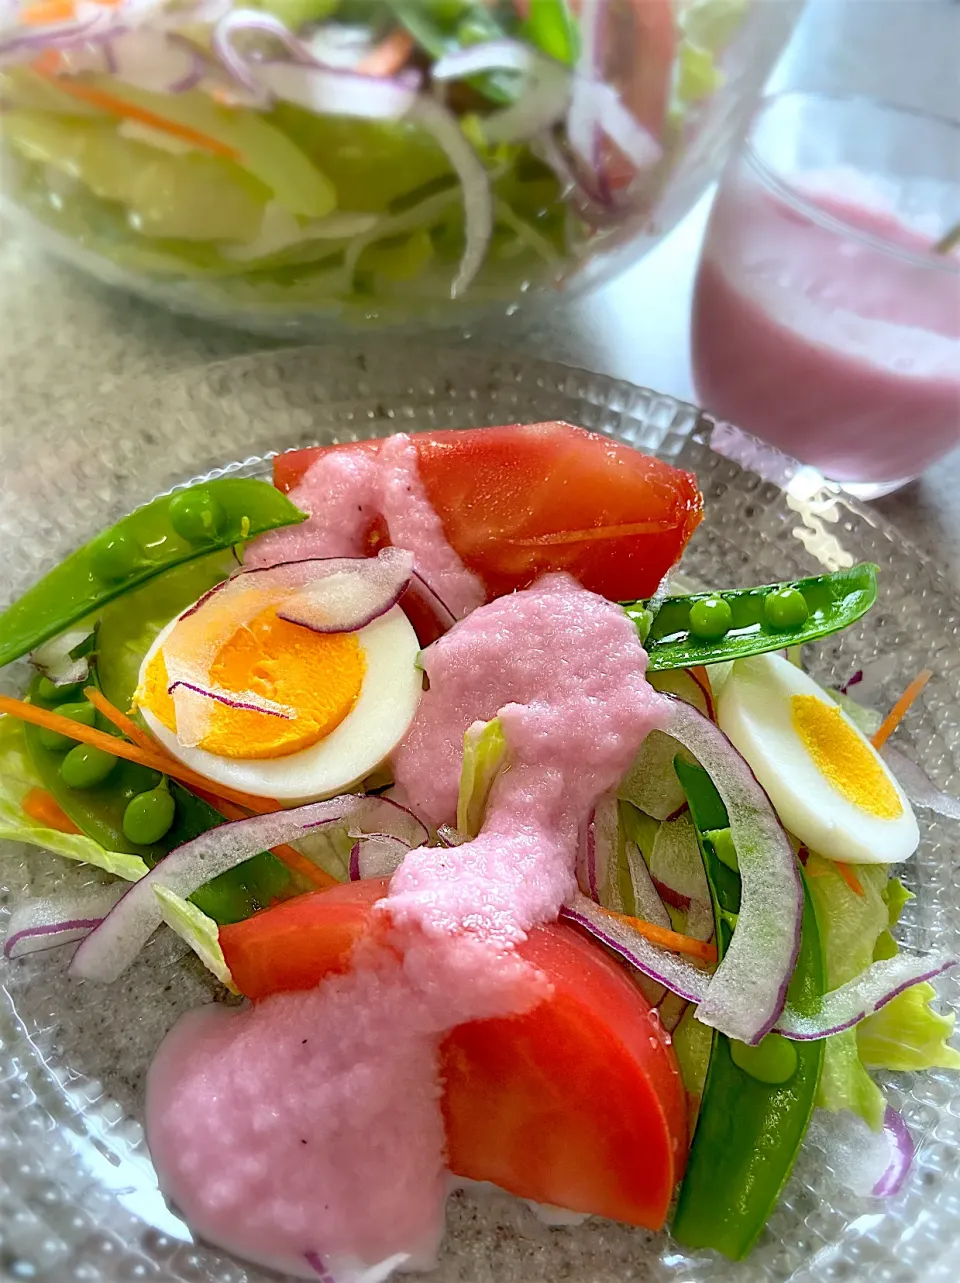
(827, 305)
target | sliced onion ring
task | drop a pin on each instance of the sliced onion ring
(376, 855)
(546, 94)
(603, 834)
(901, 1155)
(49, 922)
(646, 897)
(748, 990)
(346, 600)
(845, 1007)
(110, 949)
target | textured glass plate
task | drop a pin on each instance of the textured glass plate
(78, 1198)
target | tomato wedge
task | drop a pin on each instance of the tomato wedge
(578, 1103)
(519, 501)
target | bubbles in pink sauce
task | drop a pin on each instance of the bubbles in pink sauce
(310, 1123)
(345, 492)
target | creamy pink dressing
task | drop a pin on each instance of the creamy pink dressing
(345, 492)
(310, 1123)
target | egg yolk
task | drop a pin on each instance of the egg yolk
(843, 757)
(319, 675)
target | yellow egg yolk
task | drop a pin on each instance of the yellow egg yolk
(319, 675)
(847, 760)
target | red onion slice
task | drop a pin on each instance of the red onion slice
(675, 860)
(110, 949)
(603, 841)
(920, 790)
(649, 905)
(666, 968)
(845, 1007)
(748, 990)
(54, 660)
(901, 1156)
(448, 836)
(346, 600)
(376, 855)
(47, 923)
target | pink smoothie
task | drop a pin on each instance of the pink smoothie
(346, 492)
(307, 1128)
(841, 354)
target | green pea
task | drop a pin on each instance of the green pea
(785, 608)
(773, 1060)
(710, 618)
(114, 555)
(86, 766)
(724, 848)
(51, 693)
(197, 515)
(82, 712)
(149, 815)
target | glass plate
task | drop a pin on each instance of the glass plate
(78, 1197)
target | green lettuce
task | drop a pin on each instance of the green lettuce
(484, 754)
(908, 1034)
(17, 778)
(200, 933)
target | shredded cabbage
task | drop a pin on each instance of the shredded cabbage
(200, 933)
(17, 778)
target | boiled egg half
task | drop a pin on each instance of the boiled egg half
(347, 700)
(829, 785)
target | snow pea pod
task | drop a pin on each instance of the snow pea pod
(167, 532)
(760, 619)
(749, 1129)
(98, 812)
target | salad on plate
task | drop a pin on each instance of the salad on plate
(350, 157)
(523, 868)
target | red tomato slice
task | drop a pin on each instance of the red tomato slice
(517, 502)
(578, 1103)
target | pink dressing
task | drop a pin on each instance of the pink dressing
(310, 1123)
(346, 492)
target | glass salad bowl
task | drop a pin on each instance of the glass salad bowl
(305, 166)
(78, 1197)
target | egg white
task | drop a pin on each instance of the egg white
(753, 711)
(377, 722)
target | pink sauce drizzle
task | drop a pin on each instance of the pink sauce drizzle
(345, 491)
(310, 1123)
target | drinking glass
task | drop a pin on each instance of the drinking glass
(827, 305)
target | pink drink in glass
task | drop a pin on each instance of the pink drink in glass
(825, 323)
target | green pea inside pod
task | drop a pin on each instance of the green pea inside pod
(51, 693)
(84, 767)
(150, 815)
(773, 1060)
(786, 608)
(115, 555)
(197, 515)
(82, 712)
(710, 619)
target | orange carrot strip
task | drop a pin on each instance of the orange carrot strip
(388, 56)
(290, 856)
(120, 107)
(896, 714)
(45, 809)
(48, 63)
(848, 875)
(156, 761)
(667, 939)
(47, 13)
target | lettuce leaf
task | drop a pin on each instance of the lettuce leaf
(200, 933)
(908, 1034)
(484, 754)
(845, 1083)
(17, 778)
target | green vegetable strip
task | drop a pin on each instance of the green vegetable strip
(748, 1132)
(137, 548)
(834, 602)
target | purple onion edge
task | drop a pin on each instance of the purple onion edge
(581, 920)
(355, 861)
(892, 1180)
(351, 625)
(864, 1014)
(228, 703)
(48, 929)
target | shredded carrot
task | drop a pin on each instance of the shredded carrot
(667, 939)
(389, 56)
(229, 810)
(156, 761)
(47, 13)
(848, 875)
(117, 106)
(45, 809)
(290, 856)
(896, 714)
(48, 63)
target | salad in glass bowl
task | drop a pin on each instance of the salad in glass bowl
(529, 871)
(336, 162)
